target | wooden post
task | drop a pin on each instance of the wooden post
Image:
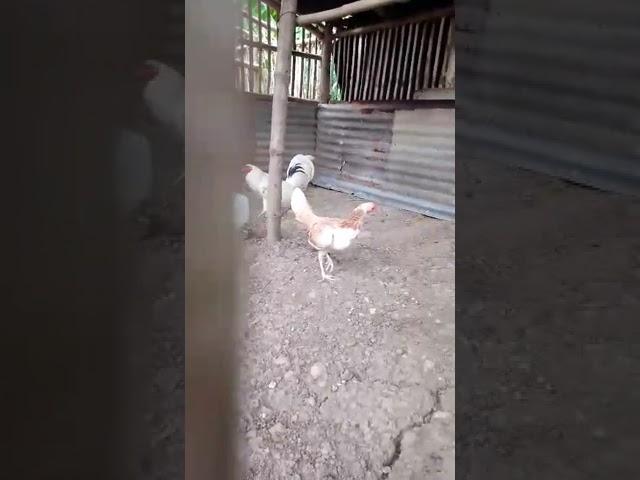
(325, 65)
(279, 117)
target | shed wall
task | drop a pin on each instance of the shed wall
(301, 130)
(400, 155)
(552, 89)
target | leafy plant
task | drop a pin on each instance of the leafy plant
(335, 92)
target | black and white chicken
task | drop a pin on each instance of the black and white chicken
(299, 174)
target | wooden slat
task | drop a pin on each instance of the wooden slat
(273, 49)
(240, 63)
(354, 72)
(375, 63)
(393, 48)
(339, 48)
(257, 21)
(293, 74)
(384, 38)
(309, 69)
(302, 66)
(436, 58)
(422, 40)
(409, 64)
(314, 89)
(401, 56)
(348, 84)
(359, 62)
(427, 66)
(362, 59)
(368, 66)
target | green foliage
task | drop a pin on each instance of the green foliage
(335, 93)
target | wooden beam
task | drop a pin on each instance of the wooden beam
(443, 12)
(348, 9)
(275, 4)
(264, 46)
(279, 117)
(325, 66)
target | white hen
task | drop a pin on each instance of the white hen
(133, 170)
(240, 210)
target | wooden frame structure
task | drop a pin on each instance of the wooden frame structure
(256, 52)
(418, 53)
(393, 60)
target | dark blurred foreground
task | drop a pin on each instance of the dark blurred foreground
(76, 333)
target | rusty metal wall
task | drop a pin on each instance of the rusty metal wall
(301, 129)
(552, 87)
(402, 154)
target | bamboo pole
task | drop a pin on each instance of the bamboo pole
(269, 53)
(251, 72)
(279, 117)
(260, 57)
(325, 65)
(348, 9)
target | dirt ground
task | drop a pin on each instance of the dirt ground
(353, 379)
(547, 276)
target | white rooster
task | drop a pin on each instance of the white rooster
(164, 95)
(299, 174)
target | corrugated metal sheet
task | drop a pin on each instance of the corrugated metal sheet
(397, 155)
(552, 87)
(301, 130)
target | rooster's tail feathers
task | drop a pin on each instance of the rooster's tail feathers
(300, 206)
(301, 164)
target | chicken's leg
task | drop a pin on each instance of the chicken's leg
(264, 207)
(329, 263)
(321, 256)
